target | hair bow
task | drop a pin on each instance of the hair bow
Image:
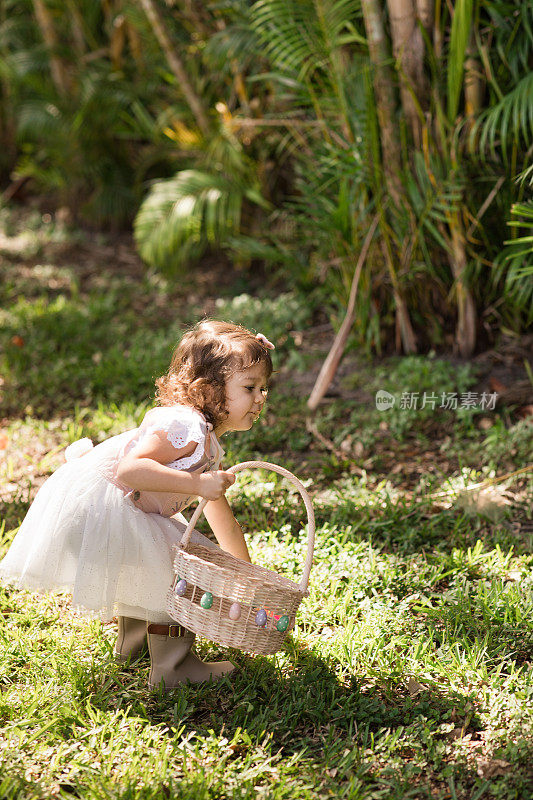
(263, 339)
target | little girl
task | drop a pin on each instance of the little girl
(103, 525)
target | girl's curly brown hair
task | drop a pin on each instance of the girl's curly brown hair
(206, 356)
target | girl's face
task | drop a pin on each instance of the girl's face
(245, 396)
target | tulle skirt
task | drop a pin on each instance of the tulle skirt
(84, 536)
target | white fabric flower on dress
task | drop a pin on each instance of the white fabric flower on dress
(78, 449)
(182, 425)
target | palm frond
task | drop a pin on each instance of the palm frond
(435, 195)
(36, 120)
(514, 266)
(509, 120)
(526, 176)
(300, 35)
(511, 35)
(460, 32)
(237, 41)
(181, 216)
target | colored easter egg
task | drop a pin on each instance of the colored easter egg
(261, 618)
(234, 612)
(181, 587)
(283, 623)
(206, 600)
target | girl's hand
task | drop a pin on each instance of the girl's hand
(213, 485)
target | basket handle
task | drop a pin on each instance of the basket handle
(305, 497)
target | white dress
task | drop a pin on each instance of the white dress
(109, 546)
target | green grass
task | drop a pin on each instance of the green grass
(409, 673)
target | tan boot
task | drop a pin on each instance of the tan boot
(174, 664)
(131, 639)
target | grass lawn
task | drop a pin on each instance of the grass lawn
(409, 673)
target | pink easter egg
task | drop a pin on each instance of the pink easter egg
(234, 612)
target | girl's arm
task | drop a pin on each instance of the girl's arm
(226, 528)
(144, 468)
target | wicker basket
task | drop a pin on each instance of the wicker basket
(230, 601)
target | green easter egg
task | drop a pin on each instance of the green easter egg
(206, 600)
(283, 623)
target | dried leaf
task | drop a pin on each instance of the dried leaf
(358, 450)
(414, 687)
(489, 502)
(490, 768)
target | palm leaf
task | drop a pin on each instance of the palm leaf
(511, 37)
(36, 120)
(301, 35)
(460, 32)
(181, 216)
(511, 118)
(515, 263)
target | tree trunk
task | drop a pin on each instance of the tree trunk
(76, 25)
(473, 83)
(425, 10)
(408, 49)
(176, 66)
(385, 96)
(386, 110)
(46, 26)
(135, 43)
(117, 41)
(7, 122)
(465, 331)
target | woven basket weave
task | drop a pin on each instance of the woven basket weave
(261, 595)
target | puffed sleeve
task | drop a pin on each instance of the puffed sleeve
(181, 426)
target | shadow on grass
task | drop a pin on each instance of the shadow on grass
(345, 729)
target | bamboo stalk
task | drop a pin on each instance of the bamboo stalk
(7, 121)
(46, 26)
(385, 96)
(465, 331)
(425, 10)
(176, 65)
(408, 49)
(76, 25)
(473, 83)
(117, 41)
(134, 41)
